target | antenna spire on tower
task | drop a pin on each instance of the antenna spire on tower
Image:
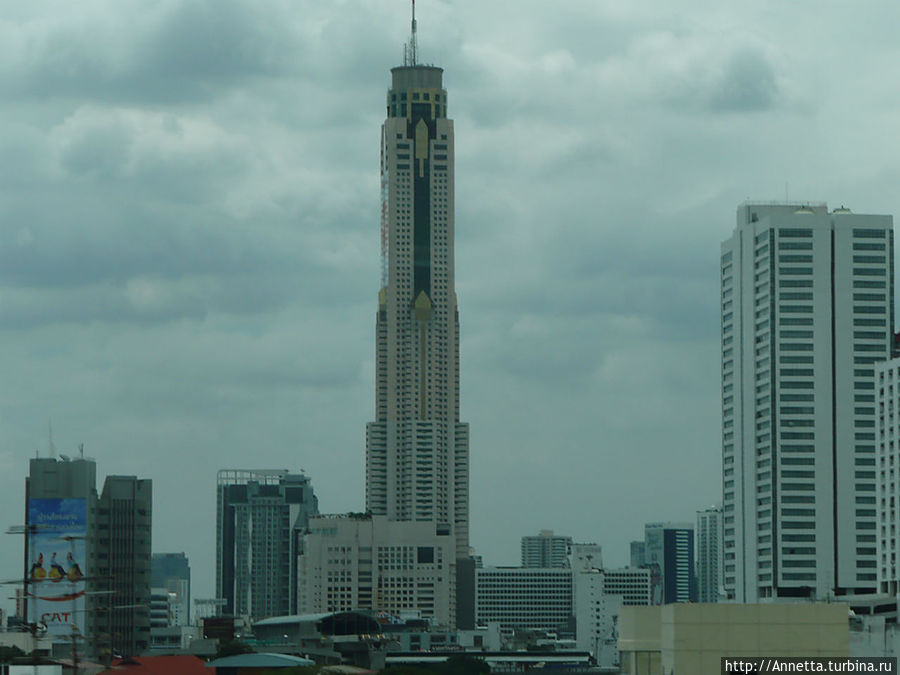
(410, 56)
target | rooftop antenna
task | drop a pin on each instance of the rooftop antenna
(410, 51)
(52, 447)
(81, 450)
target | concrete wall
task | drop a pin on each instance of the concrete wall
(692, 638)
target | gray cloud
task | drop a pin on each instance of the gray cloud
(748, 84)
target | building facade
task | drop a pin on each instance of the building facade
(260, 518)
(597, 598)
(524, 598)
(171, 572)
(417, 449)
(887, 457)
(638, 554)
(669, 555)
(123, 544)
(546, 550)
(807, 310)
(709, 554)
(60, 547)
(88, 556)
(370, 563)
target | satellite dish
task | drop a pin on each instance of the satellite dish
(65, 458)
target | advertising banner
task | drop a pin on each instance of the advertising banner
(56, 553)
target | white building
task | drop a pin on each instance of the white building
(370, 563)
(598, 595)
(807, 310)
(524, 598)
(586, 557)
(708, 556)
(417, 450)
(546, 550)
(887, 393)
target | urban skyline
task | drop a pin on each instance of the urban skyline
(588, 301)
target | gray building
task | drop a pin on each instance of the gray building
(709, 554)
(638, 554)
(122, 565)
(88, 556)
(546, 550)
(524, 598)
(171, 572)
(260, 519)
(60, 547)
(669, 555)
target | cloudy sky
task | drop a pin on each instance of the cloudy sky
(189, 237)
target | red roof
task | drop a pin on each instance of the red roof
(159, 665)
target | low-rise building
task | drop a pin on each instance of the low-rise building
(693, 638)
(370, 563)
(524, 598)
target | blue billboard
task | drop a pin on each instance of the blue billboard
(57, 530)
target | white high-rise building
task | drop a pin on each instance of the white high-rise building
(807, 310)
(708, 556)
(887, 468)
(417, 450)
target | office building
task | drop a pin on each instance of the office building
(709, 554)
(638, 554)
(887, 468)
(524, 598)
(260, 517)
(171, 573)
(373, 564)
(807, 310)
(546, 550)
(417, 449)
(631, 583)
(88, 557)
(669, 552)
(60, 549)
(121, 613)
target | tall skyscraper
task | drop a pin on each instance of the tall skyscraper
(260, 518)
(546, 550)
(417, 450)
(807, 310)
(709, 554)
